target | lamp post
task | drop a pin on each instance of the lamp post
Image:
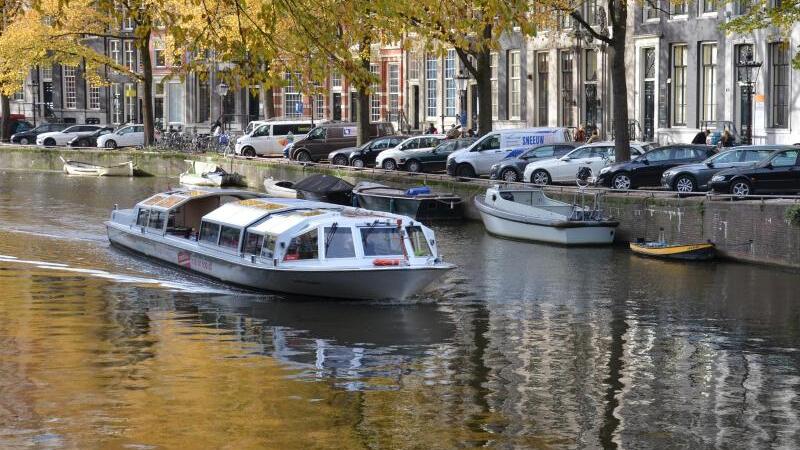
(461, 84)
(222, 91)
(34, 87)
(747, 75)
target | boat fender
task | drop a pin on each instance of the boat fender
(382, 262)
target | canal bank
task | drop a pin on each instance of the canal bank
(755, 230)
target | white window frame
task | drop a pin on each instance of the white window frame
(130, 62)
(393, 87)
(450, 83)
(375, 94)
(93, 96)
(514, 75)
(708, 83)
(291, 96)
(431, 86)
(493, 65)
(70, 88)
(114, 51)
(679, 92)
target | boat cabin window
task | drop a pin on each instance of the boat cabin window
(381, 241)
(268, 251)
(252, 243)
(339, 242)
(141, 218)
(419, 243)
(304, 246)
(229, 237)
(209, 232)
(156, 220)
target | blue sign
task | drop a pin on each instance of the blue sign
(533, 140)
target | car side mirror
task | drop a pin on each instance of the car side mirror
(768, 165)
(645, 161)
(710, 164)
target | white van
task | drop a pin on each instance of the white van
(270, 137)
(478, 158)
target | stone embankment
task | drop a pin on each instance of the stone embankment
(752, 230)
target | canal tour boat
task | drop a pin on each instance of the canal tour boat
(283, 245)
(528, 214)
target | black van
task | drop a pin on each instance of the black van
(332, 136)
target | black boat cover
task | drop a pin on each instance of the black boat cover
(323, 184)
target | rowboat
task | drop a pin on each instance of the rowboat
(200, 173)
(691, 252)
(420, 202)
(93, 170)
(528, 214)
(282, 245)
(279, 189)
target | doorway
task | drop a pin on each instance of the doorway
(336, 101)
(415, 112)
(649, 110)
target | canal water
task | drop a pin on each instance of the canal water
(523, 346)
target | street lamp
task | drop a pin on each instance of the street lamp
(222, 91)
(748, 70)
(461, 83)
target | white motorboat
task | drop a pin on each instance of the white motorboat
(200, 173)
(528, 214)
(279, 189)
(93, 170)
(283, 245)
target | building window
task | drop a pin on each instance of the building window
(708, 6)
(114, 51)
(541, 88)
(590, 12)
(129, 53)
(450, 83)
(680, 8)
(650, 10)
(394, 92)
(336, 79)
(203, 100)
(319, 106)
(430, 85)
(413, 67)
(130, 103)
(116, 103)
(679, 60)
(47, 73)
(70, 93)
(94, 97)
(292, 98)
(566, 88)
(159, 56)
(709, 97)
(127, 23)
(779, 84)
(493, 76)
(591, 100)
(175, 99)
(375, 96)
(19, 96)
(514, 85)
(744, 6)
(564, 21)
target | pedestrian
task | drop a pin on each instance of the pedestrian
(727, 138)
(594, 137)
(580, 134)
(470, 133)
(215, 127)
(701, 136)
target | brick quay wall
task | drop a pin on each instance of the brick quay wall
(752, 230)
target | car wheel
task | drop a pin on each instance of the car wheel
(541, 177)
(303, 156)
(740, 188)
(24, 141)
(249, 152)
(414, 166)
(389, 164)
(621, 182)
(339, 160)
(685, 183)
(358, 163)
(509, 175)
(465, 171)
(111, 144)
(49, 142)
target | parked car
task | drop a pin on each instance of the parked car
(54, 138)
(564, 169)
(16, 123)
(124, 136)
(28, 136)
(270, 137)
(479, 158)
(778, 173)
(646, 170)
(332, 136)
(365, 155)
(695, 177)
(512, 167)
(391, 158)
(90, 140)
(433, 159)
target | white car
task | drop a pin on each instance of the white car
(124, 136)
(271, 137)
(391, 158)
(63, 137)
(565, 169)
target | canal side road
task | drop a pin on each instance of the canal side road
(758, 230)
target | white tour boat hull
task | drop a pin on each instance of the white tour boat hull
(389, 283)
(532, 232)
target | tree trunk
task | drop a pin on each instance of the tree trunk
(5, 110)
(362, 112)
(484, 84)
(147, 82)
(269, 103)
(619, 88)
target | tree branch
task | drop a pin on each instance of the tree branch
(577, 16)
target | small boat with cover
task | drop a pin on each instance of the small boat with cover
(419, 202)
(528, 214)
(201, 173)
(93, 170)
(283, 245)
(324, 188)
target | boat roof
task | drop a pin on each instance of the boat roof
(175, 198)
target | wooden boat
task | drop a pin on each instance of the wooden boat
(279, 189)
(93, 170)
(528, 214)
(200, 173)
(690, 252)
(420, 202)
(284, 245)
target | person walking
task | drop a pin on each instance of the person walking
(580, 134)
(594, 137)
(700, 137)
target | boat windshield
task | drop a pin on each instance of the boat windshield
(381, 241)
(302, 247)
(419, 244)
(339, 242)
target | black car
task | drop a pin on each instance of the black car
(29, 136)
(776, 174)
(90, 140)
(433, 159)
(695, 177)
(365, 155)
(513, 166)
(646, 170)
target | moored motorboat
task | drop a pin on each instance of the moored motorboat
(324, 188)
(93, 170)
(420, 202)
(279, 189)
(284, 245)
(687, 252)
(528, 214)
(200, 173)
